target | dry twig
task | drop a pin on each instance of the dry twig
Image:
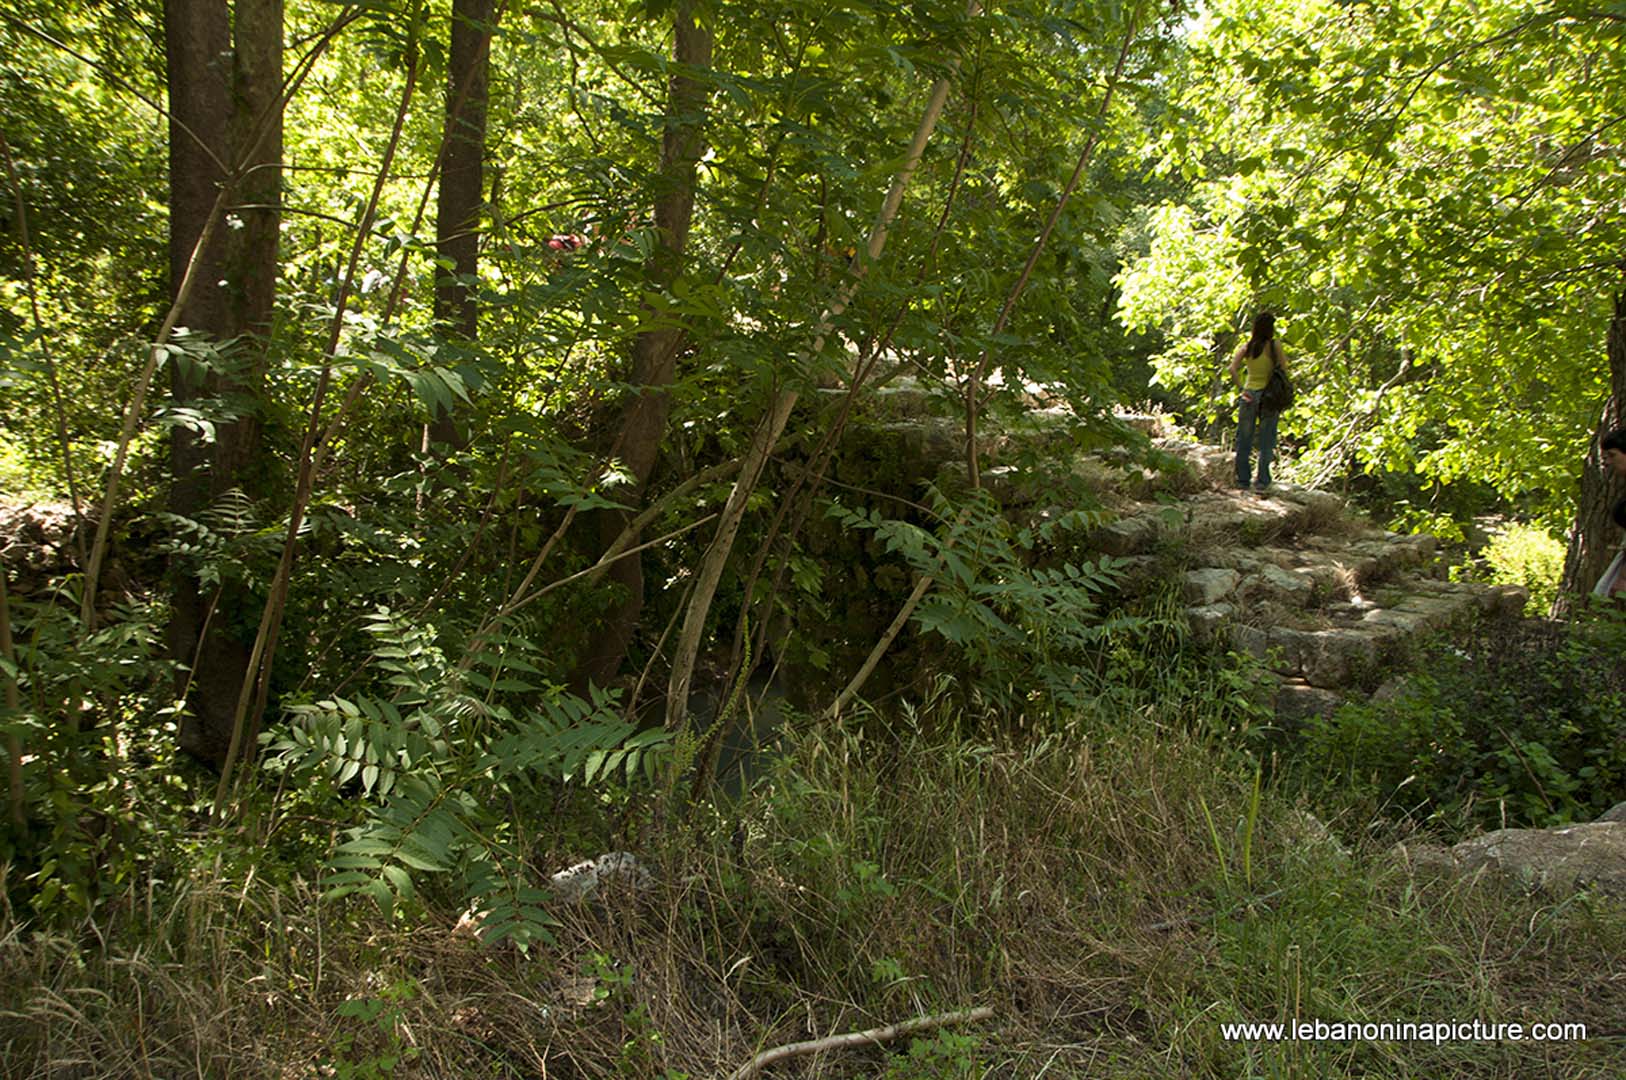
(858, 1038)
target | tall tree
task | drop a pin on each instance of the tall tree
(655, 350)
(457, 210)
(1431, 199)
(225, 82)
(1594, 536)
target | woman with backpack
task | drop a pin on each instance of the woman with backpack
(1260, 355)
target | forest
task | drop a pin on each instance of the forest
(540, 540)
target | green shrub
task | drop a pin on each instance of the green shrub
(1530, 556)
(1518, 726)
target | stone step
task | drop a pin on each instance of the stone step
(1356, 639)
(1303, 577)
(1325, 600)
(1220, 519)
(1296, 701)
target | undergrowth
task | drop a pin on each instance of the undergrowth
(1517, 724)
(1115, 888)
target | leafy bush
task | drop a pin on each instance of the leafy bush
(1517, 726)
(100, 799)
(1530, 556)
(1020, 630)
(439, 759)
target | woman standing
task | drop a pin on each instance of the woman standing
(1260, 355)
(1613, 448)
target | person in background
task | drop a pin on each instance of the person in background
(1259, 355)
(1613, 446)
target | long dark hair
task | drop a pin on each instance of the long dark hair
(1264, 332)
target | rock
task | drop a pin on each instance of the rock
(1209, 586)
(1337, 658)
(1205, 621)
(1560, 858)
(924, 444)
(1437, 612)
(1215, 464)
(1288, 648)
(1555, 860)
(1391, 689)
(37, 540)
(1298, 701)
(1251, 640)
(1302, 830)
(1616, 813)
(905, 398)
(1512, 600)
(1409, 622)
(1004, 483)
(1425, 861)
(1287, 583)
(1145, 423)
(1126, 536)
(574, 883)
(1323, 503)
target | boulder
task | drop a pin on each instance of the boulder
(1299, 701)
(1337, 658)
(1558, 860)
(1437, 612)
(1206, 620)
(1126, 536)
(1286, 584)
(1210, 585)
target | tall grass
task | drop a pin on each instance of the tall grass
(1069, 879)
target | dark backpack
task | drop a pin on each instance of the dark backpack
(1278, 392)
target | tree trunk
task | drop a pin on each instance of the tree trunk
(1594, 538)
(225, 78)
(654, 352)
(462, 183)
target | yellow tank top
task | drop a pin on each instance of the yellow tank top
(1259, 367)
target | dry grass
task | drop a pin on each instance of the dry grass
(1071, 882)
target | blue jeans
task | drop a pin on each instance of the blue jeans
(1253, 423)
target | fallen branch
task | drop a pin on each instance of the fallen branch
(857, 1038)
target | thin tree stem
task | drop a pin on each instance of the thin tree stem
(133, 411)
(857, 1039)
(14, 744)
(768, 430)
(256, 680)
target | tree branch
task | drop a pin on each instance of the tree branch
(858, 1038)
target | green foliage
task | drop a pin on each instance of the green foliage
(1415, 196)
(440, 757)
(1516, 726)
(1529, 556)
(945, 1055)
(1022, 628)
(380, 1045)
(1419, 193)
(1065, 867)
(100, 795)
